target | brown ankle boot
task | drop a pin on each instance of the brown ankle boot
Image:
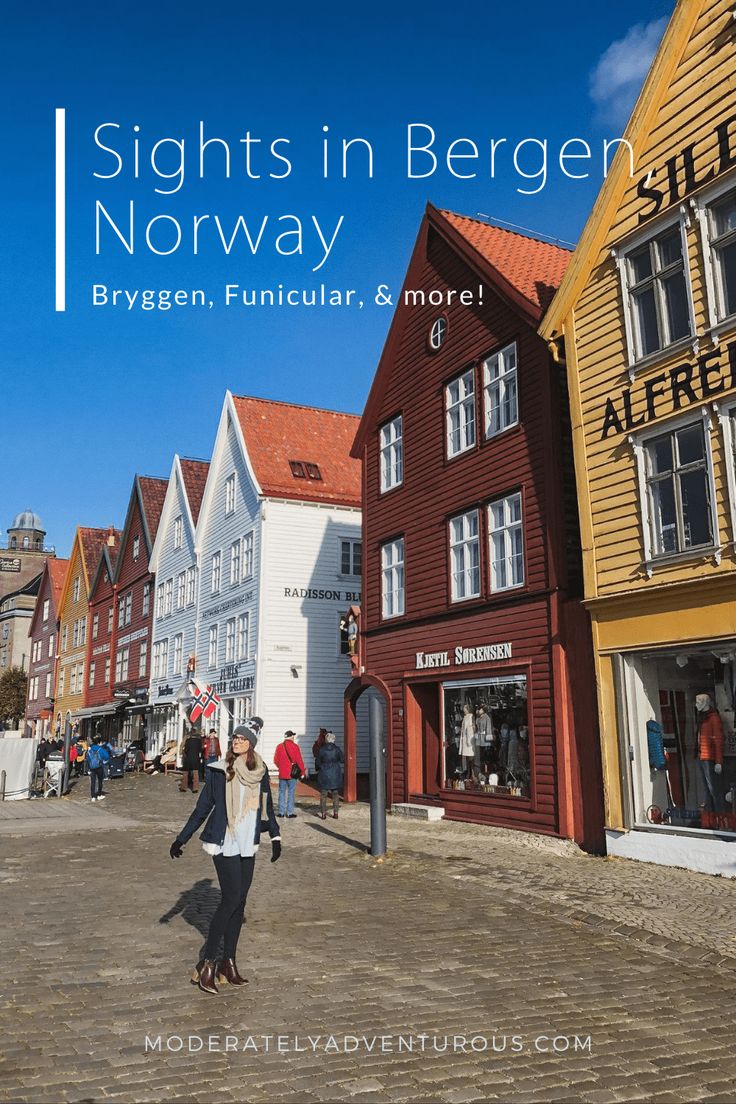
(227, 973)
(197, 971)
(207, 977)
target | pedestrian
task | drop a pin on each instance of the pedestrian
(318, 743)
(290, 765)
(330, 766)
(211, 748)
(191, 761)
(97, 756)
(236, 801)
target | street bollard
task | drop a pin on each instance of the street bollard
(378, 776)
(67, 749)
(3, 782)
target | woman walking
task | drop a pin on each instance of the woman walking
(191, 762)
(329, 764)
(237, 800)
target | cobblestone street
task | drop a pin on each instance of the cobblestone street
(471, 964)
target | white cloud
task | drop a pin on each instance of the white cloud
(617, 78)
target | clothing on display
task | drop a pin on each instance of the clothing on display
(487, 736)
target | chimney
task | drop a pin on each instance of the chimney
(111, 537)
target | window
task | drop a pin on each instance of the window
(52, 643)
(216, 573)
(109, 620)
(438, 333)
(73, 680)
(722, 239)
(181, 590)
(76, 589)
(392, 578)
(168, 596)
(234, 563)
(95, 625)
(230, 494)
(62, 677)
(230, 641)
(107, 672)
(501, 395)
(82, 630)
(47, 692)
(212, 649)
(65, 638)
(128, 608)
(350, 557)
(160, 600)
(465, 556)
(75, 634)
(136, 547)
(121, 612)
(178, 653)
(460, 406)
(392, 454)
(178, 532)
(46, 610)
(487, 742)
(191, 593)
(248, 542)
(303, 469)
(143, 658)
(506, 543)
(159, 664)
(92, 671)
(678, 490)
(121, 664)
(146, 599)
(243, 636)
(656, 293)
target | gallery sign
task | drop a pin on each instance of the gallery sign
(482, 653)
(231, 681)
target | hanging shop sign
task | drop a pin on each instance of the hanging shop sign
(232, 682)
(460, 657)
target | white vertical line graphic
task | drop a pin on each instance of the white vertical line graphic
(60, 209)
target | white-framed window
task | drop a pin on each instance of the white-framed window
(168, 596)
(178, 532)
(160, 600)
(146, 599)
(656, 291)
(95, 625)
(678, 490)
(62, 679)
(47, 692)
(128, 608)
(230, 494)
(52, 644)
(181, 590)
(350, 556)
(110, 614)
(720, 254)
(465, 556)
(143, 658)
(500, 386)
(392, 578)
(75, 634)
(460, 408)
(107, 671)
(191, 585)
(216, 566)
(212, 646)
(243, 641)
(234, 563)
(92, 672)
(506, 542)
(248, 556)
(82, 630)
(437, 333)
(727, 418)
(121, 612)
(392, 453)
(136, 547)
(76, 589)
(121, 664)
(230, 641)
(73, 679)
(178, 654)
(46, 606)
(156, 672)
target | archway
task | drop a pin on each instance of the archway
(353, 692)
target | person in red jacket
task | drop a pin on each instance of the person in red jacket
(710, 751)
(290, 765)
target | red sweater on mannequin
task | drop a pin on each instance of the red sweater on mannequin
(710, 737)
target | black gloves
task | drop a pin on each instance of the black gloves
(276, 846)
(176, 850)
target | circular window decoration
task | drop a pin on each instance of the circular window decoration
(438, 333)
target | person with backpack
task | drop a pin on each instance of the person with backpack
(97, 755)
(290, 765)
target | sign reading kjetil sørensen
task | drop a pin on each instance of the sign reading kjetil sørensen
(483, 653)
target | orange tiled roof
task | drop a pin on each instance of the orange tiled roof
(194, 474)
(57, 574)
(535, 268)
(91, 541)
(153, 493)
(276, 433)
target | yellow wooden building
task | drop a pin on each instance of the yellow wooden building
(646, 319)
(71, 670)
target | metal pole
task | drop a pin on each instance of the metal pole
(3, 782)
(67, 749)
(378, 776)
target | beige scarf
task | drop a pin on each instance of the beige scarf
(243, 791)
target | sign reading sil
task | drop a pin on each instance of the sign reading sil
(483, 653)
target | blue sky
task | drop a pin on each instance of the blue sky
(93, 395)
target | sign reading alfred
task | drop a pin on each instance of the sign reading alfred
(481, 653)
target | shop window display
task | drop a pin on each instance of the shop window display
(486, 726)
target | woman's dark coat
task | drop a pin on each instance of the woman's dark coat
(212, 801)
(192, 753)
(329, 763)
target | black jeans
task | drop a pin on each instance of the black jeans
(234, 875)
(96, 775)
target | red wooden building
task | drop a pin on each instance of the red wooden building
(43, 635)
(99, 711)
(472, 626)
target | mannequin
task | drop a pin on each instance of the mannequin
(484, 738)
(467, 740)
(503, 751)
(710, 751)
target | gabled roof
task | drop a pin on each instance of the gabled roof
(149, 492)
(523, 271)
(89, 542)
(56, 570)
(668, 57)
(276, 433)
(108, 559)
(194, 477)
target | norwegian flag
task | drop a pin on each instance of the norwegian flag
(205, 703)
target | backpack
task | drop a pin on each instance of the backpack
(94, 758)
